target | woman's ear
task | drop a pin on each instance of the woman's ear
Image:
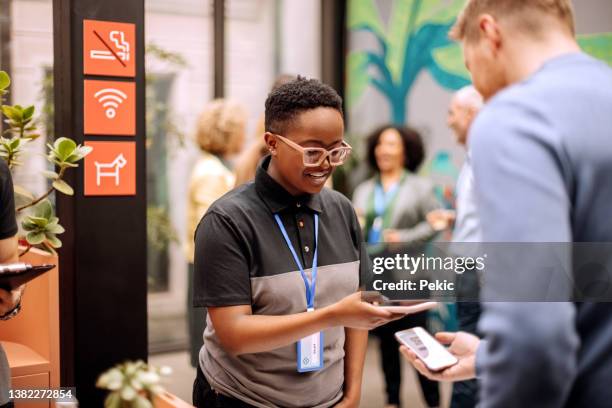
(270, 143)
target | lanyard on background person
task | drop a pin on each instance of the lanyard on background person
(310, 348)
(382, 204)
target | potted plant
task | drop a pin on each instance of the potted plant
(132, 384)
(39, 225)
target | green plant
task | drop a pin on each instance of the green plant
(39, 223)
(132, 384)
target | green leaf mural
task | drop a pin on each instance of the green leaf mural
(415, 39)
(597, 45)
(407, 45)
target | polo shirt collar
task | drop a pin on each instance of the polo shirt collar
(276, 197)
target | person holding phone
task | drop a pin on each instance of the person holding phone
(277, 264)
(9, 300)
(541, 157)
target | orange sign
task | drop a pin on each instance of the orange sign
(110, 169)
(109, 108)
(109, 48)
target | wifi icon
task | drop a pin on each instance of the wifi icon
(110, 98)
(109, 107)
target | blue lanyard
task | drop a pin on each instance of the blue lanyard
(310, 287)
(381, 202)
(382, 199)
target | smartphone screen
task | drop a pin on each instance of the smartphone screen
(435, 356)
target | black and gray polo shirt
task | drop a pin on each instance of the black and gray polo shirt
(241, 258)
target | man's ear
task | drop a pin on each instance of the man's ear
(271, 142)
(489, 31)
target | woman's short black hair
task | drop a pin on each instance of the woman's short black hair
(287, 101)
(414, 150)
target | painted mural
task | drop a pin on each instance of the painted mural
(414, 39)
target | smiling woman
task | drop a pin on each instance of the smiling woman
(277, 266)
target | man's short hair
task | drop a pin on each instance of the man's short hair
(289, 100)
(526, 15)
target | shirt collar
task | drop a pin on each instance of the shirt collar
(276, 197)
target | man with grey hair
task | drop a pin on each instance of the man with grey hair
(464, 106)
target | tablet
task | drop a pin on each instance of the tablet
(14, 275)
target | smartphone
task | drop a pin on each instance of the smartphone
(435, 356)
(397, 306)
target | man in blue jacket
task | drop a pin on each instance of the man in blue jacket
(542, 157)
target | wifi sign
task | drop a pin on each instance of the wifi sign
(109, 108)
(110, 99)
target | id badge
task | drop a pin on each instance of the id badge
(310, 352)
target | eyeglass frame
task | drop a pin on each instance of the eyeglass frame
(326, 153)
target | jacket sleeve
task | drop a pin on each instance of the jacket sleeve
(529, 355)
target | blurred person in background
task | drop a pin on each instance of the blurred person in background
(465, 105)
(220, 134)
(541, 157)
(398, 206)
(10, 301)
(247, 162)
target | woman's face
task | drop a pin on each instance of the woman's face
(389, 151)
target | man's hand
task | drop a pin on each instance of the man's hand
(8, 300)
(357, 314)
(462, 345)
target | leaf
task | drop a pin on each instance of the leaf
(53, 241)
(450, 59)
(64, 147)
(357, 76)
(598, 46)
(50, 174)
(28, 112)
(11, 112)
(63, 187)
(439, 11)
(44, 210)
(399, 34)
(22, 192)
(35, 238)
(113, 400)
(362, 14)
(40, 222)
(55, 228)
(28, 225)
(142, 402)
(5, 80)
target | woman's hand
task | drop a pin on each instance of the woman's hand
(441, 219)
(391, 236)
(8, 300)
(354, 313)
